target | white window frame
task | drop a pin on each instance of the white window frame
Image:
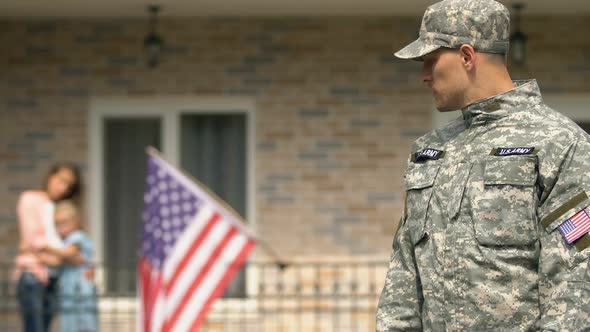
(168, 109)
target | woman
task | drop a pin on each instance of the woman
(37, 284)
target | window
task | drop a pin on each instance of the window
(210, 141)
(124, 164)
(213, 151)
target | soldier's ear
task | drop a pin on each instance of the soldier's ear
(468, 55)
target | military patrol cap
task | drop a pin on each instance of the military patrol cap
(484, 24)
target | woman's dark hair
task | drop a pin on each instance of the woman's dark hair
(76, 189)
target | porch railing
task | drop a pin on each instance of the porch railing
(304, 296)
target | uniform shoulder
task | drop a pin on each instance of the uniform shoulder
(556, 125)
(439, 136)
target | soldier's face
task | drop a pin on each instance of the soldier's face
(445, 75)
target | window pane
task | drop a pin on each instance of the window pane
(125, 163)
(213, 150)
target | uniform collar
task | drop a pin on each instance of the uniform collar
(525, 95)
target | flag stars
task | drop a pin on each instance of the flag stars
(167, 238)
(157, 233)
(147, 198)
(162, 185)
(176, 221)
(165, 212)
(154, 191)
(185, 194)
(170, 207)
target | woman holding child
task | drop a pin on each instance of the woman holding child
(37, 284)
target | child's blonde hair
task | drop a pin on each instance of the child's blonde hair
(71, 210)
(68, 206)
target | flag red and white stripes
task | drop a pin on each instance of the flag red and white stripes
(192, 247)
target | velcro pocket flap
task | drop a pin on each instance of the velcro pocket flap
(565, 210)
(419, 176)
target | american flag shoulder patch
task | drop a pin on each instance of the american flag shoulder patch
(576, 226)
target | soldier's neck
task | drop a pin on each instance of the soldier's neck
(489, 82)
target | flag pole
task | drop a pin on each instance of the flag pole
(269, 250)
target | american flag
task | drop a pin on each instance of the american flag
(576, 226)
(191, 249)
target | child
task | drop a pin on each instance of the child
(77, 294)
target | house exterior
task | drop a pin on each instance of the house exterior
(324, 111)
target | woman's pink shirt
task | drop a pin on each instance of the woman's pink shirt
(33, 235)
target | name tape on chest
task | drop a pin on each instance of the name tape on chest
(427, 154)
(513, 151)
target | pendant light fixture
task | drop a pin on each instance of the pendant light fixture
(518, 39)
(153, 42)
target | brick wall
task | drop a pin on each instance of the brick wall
(336, 111)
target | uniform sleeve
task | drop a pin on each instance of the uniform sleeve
(401, 298)
(564, 271)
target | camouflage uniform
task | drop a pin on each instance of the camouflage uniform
(479, 247)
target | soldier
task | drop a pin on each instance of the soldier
(494, 236)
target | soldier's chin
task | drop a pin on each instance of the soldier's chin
(446, 109)
(442, 107)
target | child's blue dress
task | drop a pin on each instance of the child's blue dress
(77, 294)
